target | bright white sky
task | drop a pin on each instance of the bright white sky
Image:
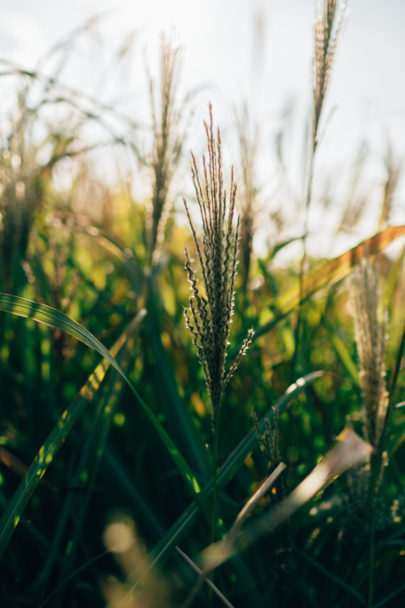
(223, 51)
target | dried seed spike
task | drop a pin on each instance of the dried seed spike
(370, 339)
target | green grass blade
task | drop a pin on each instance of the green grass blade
(179, 422)
(336, 579)
(41, 313)
(88, 467)
(226, 472)
(279, 246)
(342, 351)
(45, 456)
(328, 273)
(49, 316)
(248, 444)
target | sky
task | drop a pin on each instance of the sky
(234, 51)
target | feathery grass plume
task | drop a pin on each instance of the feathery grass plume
(209, 314)
(328, 27)
(393, 168)
(248, 146)
(330, 17)
(370, 339)
(167, 139)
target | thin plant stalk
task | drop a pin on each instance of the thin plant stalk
(328, 27)
(167, 141)
(248, 146)
(209, 314)
(371, 332)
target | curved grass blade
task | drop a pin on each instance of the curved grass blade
(45, 456)
(331, 271)
(279, 246)
(349, 450)
(42, 313)
(179, 422)
(87, 470)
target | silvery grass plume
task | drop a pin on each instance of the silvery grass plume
(248, 147)
(370, 333)
(330, 19)
(209, 314)
(167, 112)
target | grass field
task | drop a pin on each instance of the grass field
(186, 421)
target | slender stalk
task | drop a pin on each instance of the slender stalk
(328, 26)
(215, 452)
(209, 314)
(303, 264)
(371, 332)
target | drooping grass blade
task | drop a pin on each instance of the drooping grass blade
(45, 456)
(328, 273)
(226, 472)
(42, 313)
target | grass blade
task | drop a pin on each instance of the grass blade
(226, 472)
(45, 456)
(350, 450)
(42, 313)
(331, 271)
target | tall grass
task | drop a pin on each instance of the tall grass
(209, 314)
(132, 467)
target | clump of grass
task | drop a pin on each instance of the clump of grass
(327, 551)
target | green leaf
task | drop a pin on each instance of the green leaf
(45, 456)
(349, 450)
(226, 472)
(49, 316)
(41, 313)
(279, 246)
(328, 273)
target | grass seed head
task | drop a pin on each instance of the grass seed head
(210, 309)
(370, 333)
(168, 138)
(331, 16)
